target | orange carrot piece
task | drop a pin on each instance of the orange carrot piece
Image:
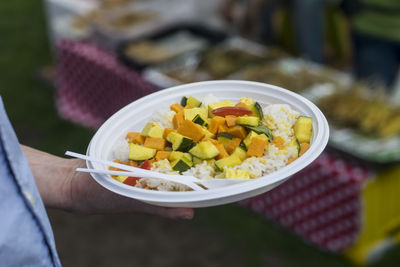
(155, 142)
(191, 130)
(303, 148)
(241, 105)
(222, 128)
(215, 123)
(166, 132)
(230, 120)
(233, 144)
(237, 131)
(256, 148)
(176, 107)
(178, 119)
(131, 136)
(222, 151)
(162, 155)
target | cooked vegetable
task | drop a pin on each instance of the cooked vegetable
(248, 120)
(215, 123)
(261, 129)
(181, 165)
(166, 132)
(191, 113)
(230, 120)
(240, 152)
(257, 110)
(131, 180)
(184, 101)
(193, 102)
(230, 161)
(238, 131)
(233, 144)
(303, 129)
(179, 142)
(224, 138)
(303, 148)
(138, 152)
(220, 147)
(160, 155)
(200, 121)
(178, 119)
(176, 107)
(212, 106)
(153, 130)
(156, 143)
(256, 147)
(178, 155)
(251, 135)
(191, 130)
(222, 128)
(235, 111)
(204, 150)
(135, 137)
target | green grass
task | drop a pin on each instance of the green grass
(31, 107)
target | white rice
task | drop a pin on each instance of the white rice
(121, 150)
(202, 171)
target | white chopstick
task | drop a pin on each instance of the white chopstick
(136, 172)
(181, 181)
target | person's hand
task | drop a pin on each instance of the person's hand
(62, 187)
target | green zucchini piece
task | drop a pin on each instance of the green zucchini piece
(193, 102)
(248, 120)
(224, 138)
(178, 155)
(197, 161)
(180, 165)
(257, 110)
(240, 152)
(152, 129)
(179, 142)
(138, 152)
(190, 113)
(184, 101)
(204, 150)
(200, 121)
(261, 129)
(303, 129)
(230, 161)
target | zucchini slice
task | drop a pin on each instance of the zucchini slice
(240, 152)
(257, 110)
(138, 152)
(303, 129)
(204, 150)
(248, 120)
(251, 135)
(181, 165)
(193, 102)
(224, 138)
(230, 161)
(184, 101)
(200, 121)
(179, 142)
(261, 129)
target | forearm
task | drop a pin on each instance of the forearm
(51, 177)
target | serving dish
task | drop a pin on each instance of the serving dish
(135, 115)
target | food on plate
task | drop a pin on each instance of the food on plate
(215, 138)
(368, 112)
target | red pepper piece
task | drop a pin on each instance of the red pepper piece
(133, 180)
(235, 111)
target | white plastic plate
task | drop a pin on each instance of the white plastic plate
(135, 115)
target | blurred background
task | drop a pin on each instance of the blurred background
(67, 65)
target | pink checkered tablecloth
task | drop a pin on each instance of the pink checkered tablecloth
(92, 85)
(321, 203)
